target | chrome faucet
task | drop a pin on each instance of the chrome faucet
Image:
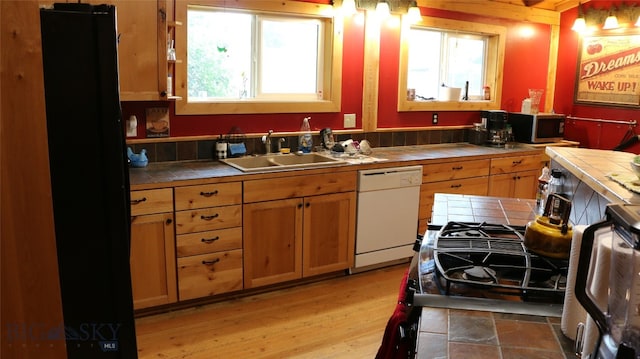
(279, 143)
(266, 139)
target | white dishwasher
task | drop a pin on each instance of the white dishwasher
(387, 220)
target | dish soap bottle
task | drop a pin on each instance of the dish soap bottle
(305, 142)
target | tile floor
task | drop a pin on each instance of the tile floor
(451, 333)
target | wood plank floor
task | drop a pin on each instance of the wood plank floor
(337, 318)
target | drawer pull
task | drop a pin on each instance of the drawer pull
(137, 201)
(517, 162)
(211, 262)
(456, 185)
(209, 194)
(210, 240)
(208, 218)
(456, 168)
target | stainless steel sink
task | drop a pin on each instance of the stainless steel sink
(281, 162)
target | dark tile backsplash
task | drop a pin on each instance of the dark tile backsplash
(203, 150)
(187, 150)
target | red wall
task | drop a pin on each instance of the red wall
(589, 134)
(525, 66)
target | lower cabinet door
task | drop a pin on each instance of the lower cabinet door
(153, 261)
(328, 233)
(272, 242)
(209, 274)
(514, 185)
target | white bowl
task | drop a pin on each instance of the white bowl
(636, 168)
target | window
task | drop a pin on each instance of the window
(257, 60)
(434, 54)
(444, 58)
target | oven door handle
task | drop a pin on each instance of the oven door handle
(582, 274)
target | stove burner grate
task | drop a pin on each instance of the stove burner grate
(493, 257)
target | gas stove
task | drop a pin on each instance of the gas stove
(486, 266)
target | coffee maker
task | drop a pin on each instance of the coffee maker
(608, 284)
(496, 123)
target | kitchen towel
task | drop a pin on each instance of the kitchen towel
(628, 180)
(597, 284)
(572, 311)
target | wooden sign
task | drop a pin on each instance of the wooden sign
(608, 70)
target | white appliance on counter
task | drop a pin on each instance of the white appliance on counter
(387, 218)
(608, 285)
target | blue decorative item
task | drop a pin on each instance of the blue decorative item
(237, 149)
(138, 160)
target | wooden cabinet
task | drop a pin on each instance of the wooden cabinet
(142, 48)
(514, 185)
(328, 233)
(515, 177)
(272, 241)
(209, 239)
(460, 177)
(302, 228)
(153, 275)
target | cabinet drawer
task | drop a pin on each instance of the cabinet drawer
(209, 195)
(455, 170)
(298, 186)
(206, 219)
(209, 274)
(151, 201)
(515, 164)
(208, 242)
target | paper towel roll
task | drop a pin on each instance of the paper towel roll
(597, 284)
(590, 337)
(572, 311)
(621, 282)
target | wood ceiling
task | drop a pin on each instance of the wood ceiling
(540, 11)
(553, 5)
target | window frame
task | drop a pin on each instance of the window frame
(331, 63)
(494, 69)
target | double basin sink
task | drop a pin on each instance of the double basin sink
(277, 162)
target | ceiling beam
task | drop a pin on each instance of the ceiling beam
(495, 9)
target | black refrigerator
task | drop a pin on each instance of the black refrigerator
(89, 179)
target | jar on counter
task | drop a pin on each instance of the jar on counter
(486, 92)
(556, 183)
(541, 192)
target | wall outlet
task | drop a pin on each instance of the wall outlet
(434, 118)
(349, 120)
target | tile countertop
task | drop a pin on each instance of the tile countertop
(469, 208)
(592, 168)
(184, 173)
